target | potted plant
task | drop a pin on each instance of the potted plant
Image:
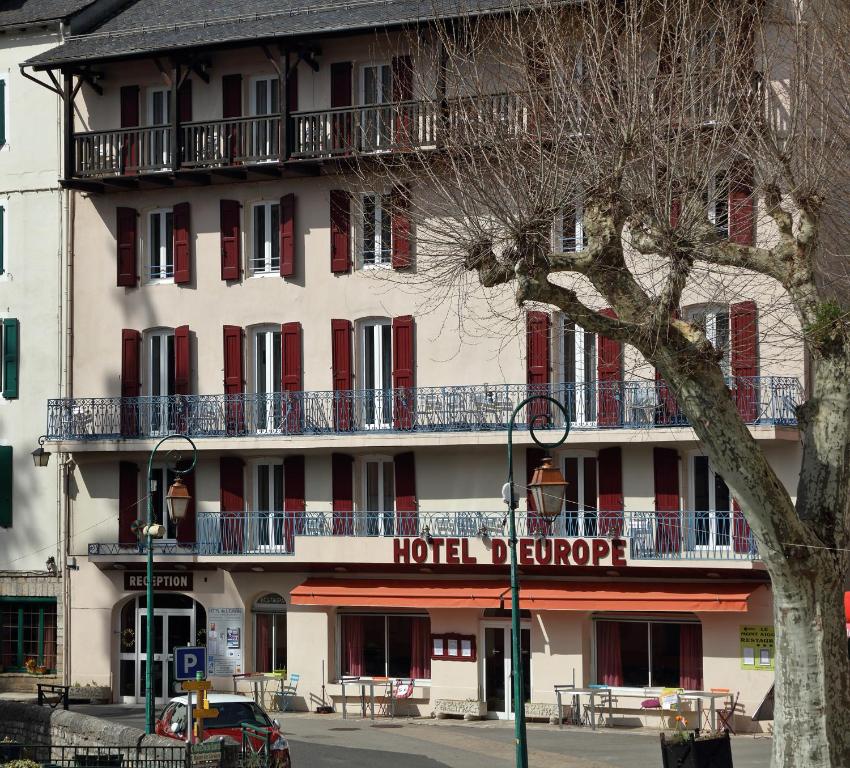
(696, 750)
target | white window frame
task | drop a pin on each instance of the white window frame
(163, 276)
(272, 84)
(269, 238)
(558, 234)
(375, 65)
(377, 522)
(164, 134)
(712, 511)
(583, 527)
(383, 253)
(710, 312)
(381, 401)
(585, 395)
(268, 412)
(272, 522)
(159, 411)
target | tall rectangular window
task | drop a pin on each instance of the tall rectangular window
(393, 645)
(580, 367)
(159, 119)
(161, 381)
(268, 359)
(572, 228)
(28, 631)
(161, 245)
(268, 505)
(265, 256)
(377, 89)
(717, 201)
(714, 322)
(376, 231)
(712, 507)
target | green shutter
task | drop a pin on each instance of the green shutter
(2, 240)
(5, 486)
(2, 112)
(10, 358)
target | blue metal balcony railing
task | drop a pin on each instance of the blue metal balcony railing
(484, 407)
(684, 535)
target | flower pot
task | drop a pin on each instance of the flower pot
(709, 752)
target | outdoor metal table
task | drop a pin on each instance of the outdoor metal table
(559, 691)
(259, 683)
(712, 696)
(362, 682)
(592, 693)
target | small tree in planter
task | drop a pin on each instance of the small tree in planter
(713, 750)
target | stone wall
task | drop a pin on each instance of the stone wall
(30, 724)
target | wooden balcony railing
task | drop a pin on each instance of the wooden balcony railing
(235, 141)
(123, 151)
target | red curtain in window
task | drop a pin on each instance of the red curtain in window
(49, 655)
(666, 474)
(690, 657)
(420, 651)
(352, 645)
(263, 643)
(609, 659)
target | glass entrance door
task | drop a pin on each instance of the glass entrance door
(498, 677)
(171, 627)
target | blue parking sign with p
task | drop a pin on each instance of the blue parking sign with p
(188, 661)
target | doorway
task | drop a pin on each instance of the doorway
(498, 670)
(178, 621)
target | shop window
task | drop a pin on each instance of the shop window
(649, 653)
(385, 646)
(269, 633)
(28, 632)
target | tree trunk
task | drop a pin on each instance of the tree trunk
(812, 669)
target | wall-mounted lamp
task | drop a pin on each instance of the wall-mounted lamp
(40, 457)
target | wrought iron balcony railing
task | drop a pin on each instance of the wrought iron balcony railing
(677, 535)
(475, 408)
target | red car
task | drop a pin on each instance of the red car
(233, 710)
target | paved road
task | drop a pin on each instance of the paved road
(329, 742)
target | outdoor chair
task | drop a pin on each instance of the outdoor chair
(395, 689)
(706, 712)
(726, 716)
(286, 694)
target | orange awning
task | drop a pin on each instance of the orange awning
(534, 595)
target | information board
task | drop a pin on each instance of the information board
(225, 630)
(757, 647)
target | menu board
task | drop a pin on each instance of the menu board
(758, 644)
(225, 629)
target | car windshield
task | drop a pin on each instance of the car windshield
(231, 714)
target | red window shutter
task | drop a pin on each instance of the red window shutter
(291, 374)
(537, 359)
(743, 322)
(400, 226)
(610, 471)
(129, 119)
(231, 96)
(182, 244)
(666, 474)
(742, 537)
(402, 67)
(128, 499)
(294, 502)
(536, 522)
(231, 239)
(182, 360)
(234, 379)
(287, 235)
(184, 102)
(340, 231)
(342, 493)
(741, 206)
(131, 381)
(407, 519)
(187, 528)
(341, 95)
(127, 239)
(404, 398)
(609, 376)
(341, 373)
(292, 90)
(129, 106)
(232, 497)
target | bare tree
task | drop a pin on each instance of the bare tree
(635, 110)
